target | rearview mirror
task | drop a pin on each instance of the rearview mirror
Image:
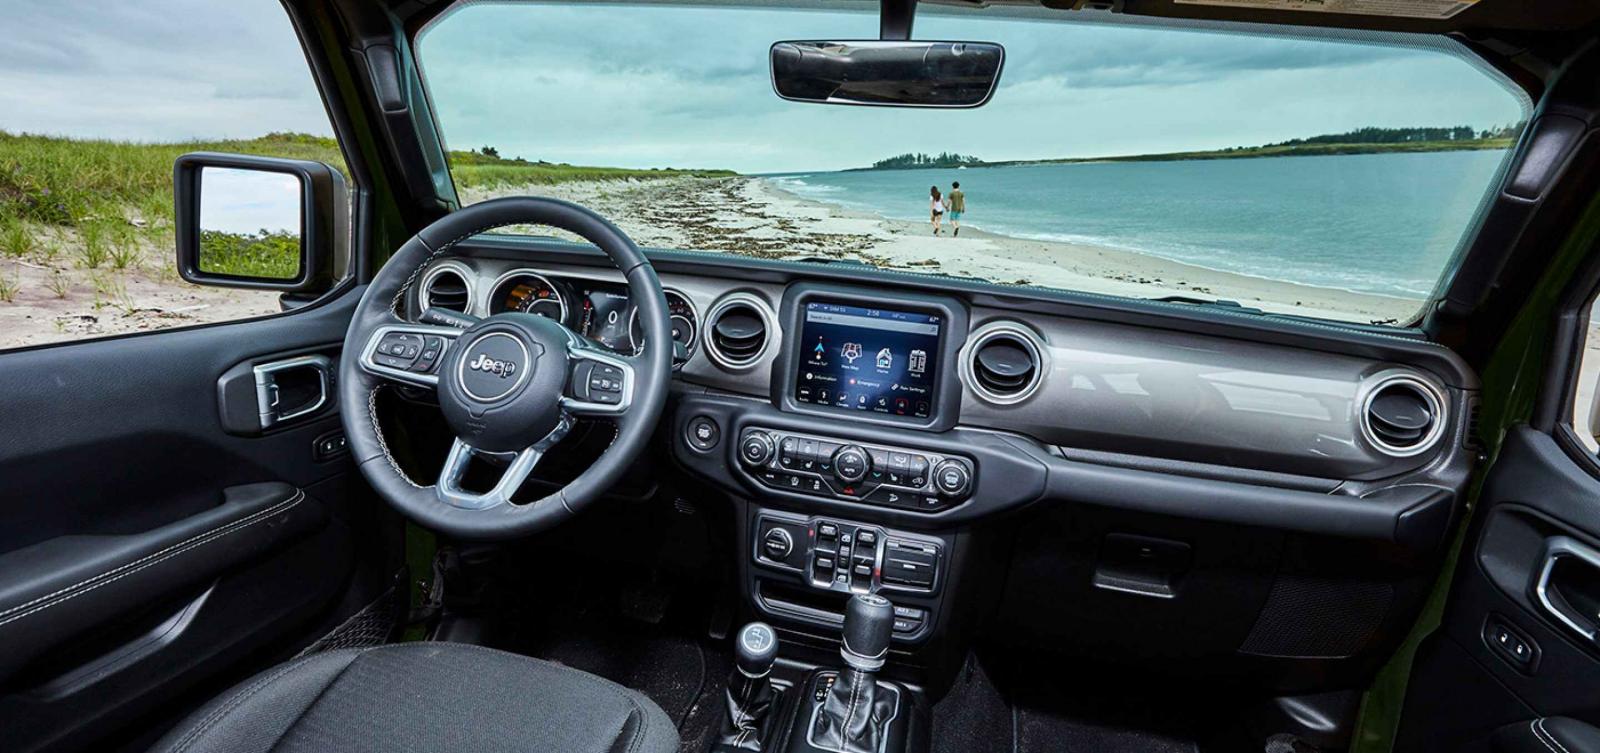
(257, 222)
(887, 74)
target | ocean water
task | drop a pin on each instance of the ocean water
(1371, 223)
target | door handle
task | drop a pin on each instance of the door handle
(1568, 587)
(291, 388)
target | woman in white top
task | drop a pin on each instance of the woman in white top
(937, 207)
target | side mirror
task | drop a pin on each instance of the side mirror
(258, 222)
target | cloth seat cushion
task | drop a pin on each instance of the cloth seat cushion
(415, 697)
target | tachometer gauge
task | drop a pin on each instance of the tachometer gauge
(530, 293)
(685, 326)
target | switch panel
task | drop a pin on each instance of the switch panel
(847, 557)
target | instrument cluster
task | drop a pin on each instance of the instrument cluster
(603, 312)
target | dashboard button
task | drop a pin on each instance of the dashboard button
(777, 544)
(756, 449)
(704, 433)
(851, 464)
(952, 478)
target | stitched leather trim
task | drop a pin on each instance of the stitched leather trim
(154, 558)
(377, 432)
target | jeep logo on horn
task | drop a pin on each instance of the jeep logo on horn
(494, 366)
(498, 368)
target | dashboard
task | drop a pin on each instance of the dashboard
(1155, 469)
(599, 310)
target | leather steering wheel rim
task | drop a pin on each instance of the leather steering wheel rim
(650, 371)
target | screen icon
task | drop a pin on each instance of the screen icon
(851, 351)
(918, 361)
(885, 359)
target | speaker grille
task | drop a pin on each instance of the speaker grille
(1308, 617)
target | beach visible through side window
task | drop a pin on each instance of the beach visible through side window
(1309, 176)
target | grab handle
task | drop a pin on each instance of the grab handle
(1568, 588)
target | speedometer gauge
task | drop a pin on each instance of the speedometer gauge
(685, 326)
(532, 294)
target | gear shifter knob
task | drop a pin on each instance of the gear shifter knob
(755, 649)
(868, 625)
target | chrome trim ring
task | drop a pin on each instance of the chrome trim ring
(989, 332)
(768, 320)
(694, 325)
(488, 302)
(522, 373)
(1431, 395)
(468, 280)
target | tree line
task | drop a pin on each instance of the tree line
(919, 159)
(1374, 135)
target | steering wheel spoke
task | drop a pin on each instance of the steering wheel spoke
(450, 491)
(599, 383)
(408, 353)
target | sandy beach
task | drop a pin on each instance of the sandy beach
(55, 300)
(751, 216)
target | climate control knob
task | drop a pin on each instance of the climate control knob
(756, 448)
(851, 464)
(952, 478)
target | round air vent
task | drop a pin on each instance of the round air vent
(1402, 415)
(1004, 364)
(737, 329)
(446, 288)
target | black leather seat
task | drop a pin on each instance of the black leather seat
(414, 697)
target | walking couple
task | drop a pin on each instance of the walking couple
(954, 205)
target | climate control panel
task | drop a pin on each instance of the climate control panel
(897, 477)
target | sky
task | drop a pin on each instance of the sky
(246, 202)
(634, 86)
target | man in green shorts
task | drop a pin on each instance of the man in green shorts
(958, 204)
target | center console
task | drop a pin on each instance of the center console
(854, 478)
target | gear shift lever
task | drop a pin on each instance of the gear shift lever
(750, 697)
(855, 715)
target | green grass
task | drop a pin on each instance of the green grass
(271, 255)
(95, 187)
(68, 182)
(16, 239)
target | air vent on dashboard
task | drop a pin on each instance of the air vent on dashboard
(738, 328)
(446, 289)
(1402, 415)
(1004, 363)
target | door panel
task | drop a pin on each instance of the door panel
(143, 547)
(1470, 677)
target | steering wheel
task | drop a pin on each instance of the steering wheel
(509, 386)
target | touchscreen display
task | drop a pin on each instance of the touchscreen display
(868, 359)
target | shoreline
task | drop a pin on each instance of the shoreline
(753, 216)
(1196, 269)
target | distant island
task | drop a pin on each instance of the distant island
(1371, 140)
(912, 161)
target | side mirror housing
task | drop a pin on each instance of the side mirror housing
(258, 222)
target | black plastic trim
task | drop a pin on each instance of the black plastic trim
(324, 210)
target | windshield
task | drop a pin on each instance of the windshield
(1312, 176)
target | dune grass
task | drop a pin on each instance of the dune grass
(110, 193)
(68, 182)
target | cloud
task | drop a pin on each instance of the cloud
(157, 70)
(681, 85)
